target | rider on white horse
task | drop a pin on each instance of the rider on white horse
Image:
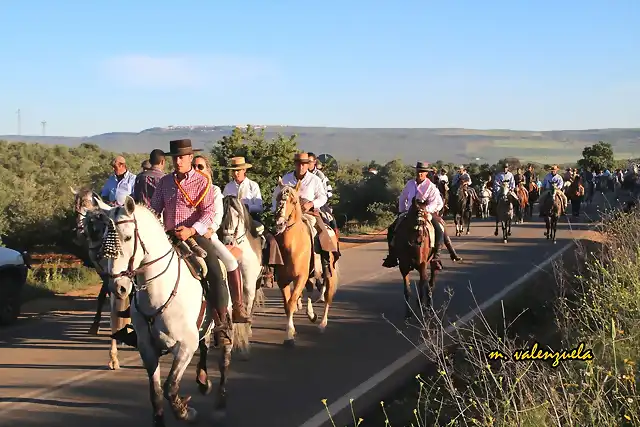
(186, 202)
(244, 188)
(553, 178)
(501, 177)
(422, 188)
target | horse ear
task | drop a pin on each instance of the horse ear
(74, 192)
(129, 205)
(280, 183)
(102, 205)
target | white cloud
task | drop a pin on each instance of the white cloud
(185, 71)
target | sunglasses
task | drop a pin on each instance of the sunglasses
(200, 166)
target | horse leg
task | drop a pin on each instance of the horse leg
(547, 225)
(224, 362)
(331, 286)
(202, 378)
(114, 321)
(495, 233)
(509, 221)
(291, 304)
(423, 290)
(242, 331)
(102, 296)
(183, 352)
(404, 271)
(468, 222)
(554, 227)
(151, 362)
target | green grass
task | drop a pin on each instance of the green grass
(46, 282)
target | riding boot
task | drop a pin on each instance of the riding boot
(452, 251)
(239, 314)
(391, 260)
(439, 234)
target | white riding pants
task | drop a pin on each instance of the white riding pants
(224, 254)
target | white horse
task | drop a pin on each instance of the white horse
(238, 229)
(168, 309)
(91, 224)
(485, 197)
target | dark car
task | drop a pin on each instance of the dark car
(13, 277)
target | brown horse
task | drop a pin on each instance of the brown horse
(415, 247)
(523, 202)
(552, 209)
(534, 195)
(301, 263)
(443, 188)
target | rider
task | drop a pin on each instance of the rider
(327, 209)
(442, 176)
(455, 182)
(187, 206)
(529, 176)
(553, 178)
(120, 184)
(501, 177)
(244, 188)
(421, 186)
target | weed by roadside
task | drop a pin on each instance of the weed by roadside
(50, 281)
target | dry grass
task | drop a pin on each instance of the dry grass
(595, 301)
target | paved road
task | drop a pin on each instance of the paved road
(278, 387)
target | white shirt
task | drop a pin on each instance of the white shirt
(218, 207)
(426, 190)
(311, 188)
(444, 178)
(247, 191)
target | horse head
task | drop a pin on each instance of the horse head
(288, 209)
(236, 221)
(419, 216)
(131, 229)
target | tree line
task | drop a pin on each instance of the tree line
(36, 205)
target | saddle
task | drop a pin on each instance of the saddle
(428, 225)
(192, 254)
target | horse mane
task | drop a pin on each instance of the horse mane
(235, 203)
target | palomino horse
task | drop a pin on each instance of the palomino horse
(485, 198)
(91, 223)
(551, 210)
(238, 229)
(504, 210)
(462, 207)
(168, 310)
(443, 188)
(414, 243)
(294, 239)
(534, 194)
(523, 202)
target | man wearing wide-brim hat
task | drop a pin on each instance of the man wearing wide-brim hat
(187, 206)
(420, 188)
(500, 177)
(553, 178)
(244, 188)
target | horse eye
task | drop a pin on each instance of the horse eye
(126, 239)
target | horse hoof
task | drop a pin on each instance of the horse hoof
(206, 388)
(504, 241)
(158, 421)
(114, 365)
(192, 415)
(93, 330)
(322, 328)
(289, 343)
(495, 233)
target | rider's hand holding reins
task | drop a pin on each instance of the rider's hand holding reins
(183, 233)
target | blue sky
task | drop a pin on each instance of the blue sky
(102, 66)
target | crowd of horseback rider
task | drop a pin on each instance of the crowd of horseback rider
(191, 207)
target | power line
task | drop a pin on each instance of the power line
(44, 127)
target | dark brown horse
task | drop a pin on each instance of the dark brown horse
(534, 195)
(443, 188)
(415, 246)
(523, 202)
(462, 208)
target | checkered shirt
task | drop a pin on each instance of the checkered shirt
(174, 207)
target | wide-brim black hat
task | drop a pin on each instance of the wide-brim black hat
(181, 147)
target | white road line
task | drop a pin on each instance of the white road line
(343, 402)
(14, 403)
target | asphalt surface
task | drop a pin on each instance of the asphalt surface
(52, 373)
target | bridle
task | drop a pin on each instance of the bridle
(281, 206)
(131, 272)
(238, 239)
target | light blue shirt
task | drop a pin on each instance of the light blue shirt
(552, 179)
(504, 176)
(116, 192)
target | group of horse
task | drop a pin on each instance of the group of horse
(157, 294)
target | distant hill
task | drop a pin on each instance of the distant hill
(454, 145)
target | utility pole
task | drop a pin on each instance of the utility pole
(44, 127)
(19, 123)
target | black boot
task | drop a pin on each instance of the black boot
(436, 264)
(391, 260)
(452, 252)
